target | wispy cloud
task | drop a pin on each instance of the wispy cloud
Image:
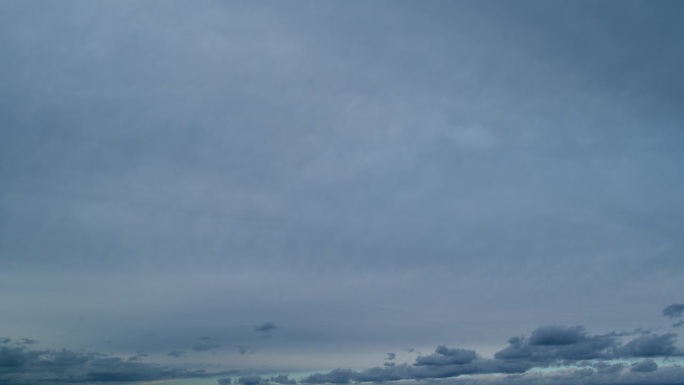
(265, 327)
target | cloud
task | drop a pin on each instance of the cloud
(547, 346)
(647, 365)
(391, 356)
(651, 346)
(553, 343)
(176, 353)
(20, 365)
(612, 375)
(445, 356)
(283, 379)
(265, 327)
(249, 380)
(674, 310)
(242, 349)
(201, 347)
(337, 376)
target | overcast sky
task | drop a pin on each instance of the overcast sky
(335, 186)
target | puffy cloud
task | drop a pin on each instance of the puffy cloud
(553, 343)
(446, 356)
(647, 365)
(547, 346)
(674, 310)
(651, 346)
(564, 348)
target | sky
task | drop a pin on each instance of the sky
(314, 191)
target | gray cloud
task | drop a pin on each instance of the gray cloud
(445, 356)
(252, 379)
(195, 169)
(674, 310)
(553, 343)
(547, 346)
(23, 366)
(283, 379)
(337, 376)
(644, 366)
(650, 345)
(202, 347)
(612, 375)
(242, 349)
(267, 326)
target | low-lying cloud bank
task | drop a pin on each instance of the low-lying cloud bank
(550, 355)
(21, 365)
(560, 355)
(546, 347)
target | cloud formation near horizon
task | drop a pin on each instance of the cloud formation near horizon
(547, 346)
(21, 365)
(571, 351)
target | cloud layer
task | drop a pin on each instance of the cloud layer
(283, 187)
(22, 365)
(546, 347)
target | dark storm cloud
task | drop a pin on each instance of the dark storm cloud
(674, 310)
(267, 326)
